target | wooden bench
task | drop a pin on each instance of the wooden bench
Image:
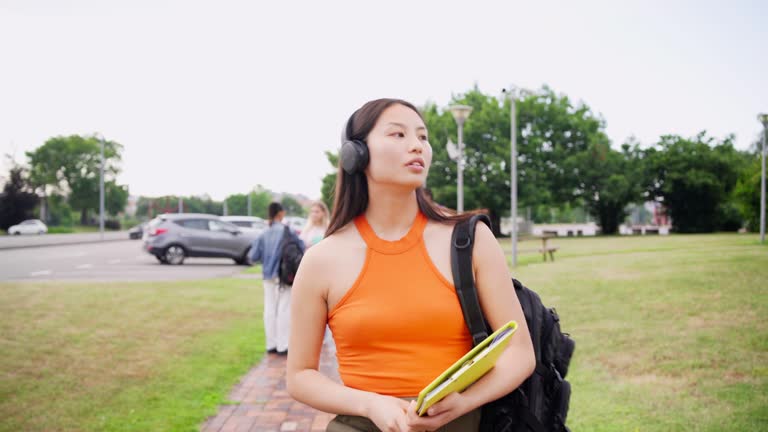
(544, 250)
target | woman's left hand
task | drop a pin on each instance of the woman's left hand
(450, 408)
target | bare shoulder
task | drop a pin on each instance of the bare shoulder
(334, 251)
(440, 231)
(329, 248)
(484, 237)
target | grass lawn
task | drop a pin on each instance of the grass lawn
(254, 269)
(671, 333)
(123, 356)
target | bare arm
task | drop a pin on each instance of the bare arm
(500, 305)
(306, 384)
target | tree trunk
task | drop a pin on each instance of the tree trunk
(609, 217)
(84, 217)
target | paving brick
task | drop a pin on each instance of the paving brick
(263, 404)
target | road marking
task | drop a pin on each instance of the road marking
(70, 255)
(84, 266)
(115, 261)
(40, 273)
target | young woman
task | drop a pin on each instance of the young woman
(381, 280)
(317, 224)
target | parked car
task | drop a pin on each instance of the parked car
(250, 224)
(173, 237)
(296, 223)
(29, 226)
(137, 232)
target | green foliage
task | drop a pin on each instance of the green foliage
(292, 207)
(607, 181)
(260, 199)
(148, 207)
(70, 165)
(237, 204)
(59, 212)
(115, 197)
(329, 181)
(17, 201)
(551, 130)
(747, 192)
(695, 178)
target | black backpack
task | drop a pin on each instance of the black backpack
(290, 257)
(540, 404)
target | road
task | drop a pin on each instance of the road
(119, 260)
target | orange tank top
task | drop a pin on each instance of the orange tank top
(400, 324)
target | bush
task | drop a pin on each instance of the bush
(729, 218)
(112, 224)
(60, 230)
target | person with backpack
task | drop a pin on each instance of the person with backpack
(381, 281)
(280, 251)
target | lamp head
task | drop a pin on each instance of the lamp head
(460, 113)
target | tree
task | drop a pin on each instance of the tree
(695, 178)
(607, 181)
(71, 165)
(328, 188)
(260, 200)
(115, 197)
(747, 191)
(237, 204)
(292, 207)
(550, 129)
(149, 207)
(18, 201)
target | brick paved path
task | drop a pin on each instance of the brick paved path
(263, 402)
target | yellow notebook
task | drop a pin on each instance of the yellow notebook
(468, 369)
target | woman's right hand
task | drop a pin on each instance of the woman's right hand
(388, 413)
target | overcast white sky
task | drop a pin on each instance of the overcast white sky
(218, 96)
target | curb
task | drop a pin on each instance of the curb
(63, 243)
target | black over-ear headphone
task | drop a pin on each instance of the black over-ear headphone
(354, 153)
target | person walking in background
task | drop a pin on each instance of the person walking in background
(317, 223)
(381, 280)
(277, 296)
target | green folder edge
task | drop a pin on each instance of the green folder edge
(468, 356)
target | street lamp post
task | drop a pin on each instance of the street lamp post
(513, 169)
(763, 118)
(101, 191)
(460, 114)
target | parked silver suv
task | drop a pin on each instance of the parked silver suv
(173, 237)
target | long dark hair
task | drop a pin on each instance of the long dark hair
(351, 190)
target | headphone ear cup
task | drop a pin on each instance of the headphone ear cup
(354, 156)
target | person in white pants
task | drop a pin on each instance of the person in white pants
(277, 315)
(277, 297)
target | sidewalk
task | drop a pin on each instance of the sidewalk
(263, 404)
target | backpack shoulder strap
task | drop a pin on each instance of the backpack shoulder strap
(462, 243)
